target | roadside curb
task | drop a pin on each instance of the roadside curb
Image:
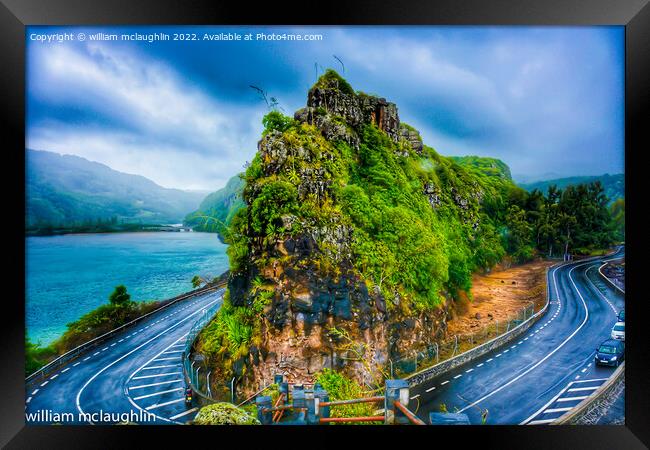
(480, 350)
(607, 278)
(583, 408)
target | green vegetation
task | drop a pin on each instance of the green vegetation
(224, 414)
(65, 191)
(217, 210)
(340, 387)
(614, 185)
(412, 225)
(120, 310)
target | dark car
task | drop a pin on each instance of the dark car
(621, 316)
(610, 353)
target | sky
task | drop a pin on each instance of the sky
(548, 101)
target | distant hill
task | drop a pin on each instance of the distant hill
(485, 165)
(614, 185)
(66, 189)
(220, 205)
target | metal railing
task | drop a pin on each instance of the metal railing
(442, 351)
(75, 352)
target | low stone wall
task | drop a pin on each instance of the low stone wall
(445, 366)
(594, 401)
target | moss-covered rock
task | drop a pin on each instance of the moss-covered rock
(224, 414)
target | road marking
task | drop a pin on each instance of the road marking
(121, 340)
(458, 376)
(415, 396)
(90, 380)
(95, 354)
(540, 422)
(577, 377)
(593, 379)
(520, 342)
(173, 351)
(184, 413)
(29, 399)
(45, 383)
(76, 364)
(554, 410)
(430, 389)
(584, 370)
(158, 393)
(113, 344)
(167, 359)
(157, 375)
(86, 358)
(444, 382)
(589, 388)
(506, 351)
(65, 370)
(104, 349)
(570, 399)
(489, 360)
(468, 370)
(155, 384)
(552, 352)
(498, 355)
(525, 339)
(158, 405)
(161, 367)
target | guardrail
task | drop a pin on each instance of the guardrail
(584, 407)
(75, 352)
(609, 280)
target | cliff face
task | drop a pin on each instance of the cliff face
(354, 239)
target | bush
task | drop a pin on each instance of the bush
(224, 414)
(340, 387)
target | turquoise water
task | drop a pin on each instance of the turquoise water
(68, 276)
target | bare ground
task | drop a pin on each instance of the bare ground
(500, 295)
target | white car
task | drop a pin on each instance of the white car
(618, 332)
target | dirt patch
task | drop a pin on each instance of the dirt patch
(500, 295)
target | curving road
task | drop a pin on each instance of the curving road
(137, 372)
(545, 372)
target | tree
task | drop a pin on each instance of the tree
(120, 297)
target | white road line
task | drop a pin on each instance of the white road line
(96, 353)
(430, 389)
(520, 342)
(86, 358)
(113, 344)
(54, 376)
(444, 382)
(415, 396)
(173, 351)
(506, 351)
(588, 388)
(29, 399)
(479, 365)
(540, 422)
(554, 410)
(65, 370)
(489, 360)
(469, 370)
(35, 391)
(76, 364)
(577, 377)
(104, 349)
(552, 352)
(498, 355)
(158, 405)
(161, 367)
(157, 375)
(166, 359)
(154, 384)
(584, 370)
(121, 340)
(158, 393)
(44, 383)
(571, 399)
(184, 413)
(593, 379)
(458, 376)
(90, 380)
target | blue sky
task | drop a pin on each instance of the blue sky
(546, 100)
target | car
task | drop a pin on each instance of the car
(621, 316)
(610, 353)
(618, 332)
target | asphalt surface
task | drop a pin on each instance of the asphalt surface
(137, 373)
(543, 373)
(532, 380)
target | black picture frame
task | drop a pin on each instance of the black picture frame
(16, 14)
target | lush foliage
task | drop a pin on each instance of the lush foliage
(340, 387)
(614, 185)
(224, 414)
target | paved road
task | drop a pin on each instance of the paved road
(543, 373)
(138, 372)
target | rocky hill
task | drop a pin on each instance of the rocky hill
(355, 240)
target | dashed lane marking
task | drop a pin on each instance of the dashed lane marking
(589, 388)
(157, 375)
(158, 393)
(430, 389)
(155, 384)
(444, 382)
(161, 367)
